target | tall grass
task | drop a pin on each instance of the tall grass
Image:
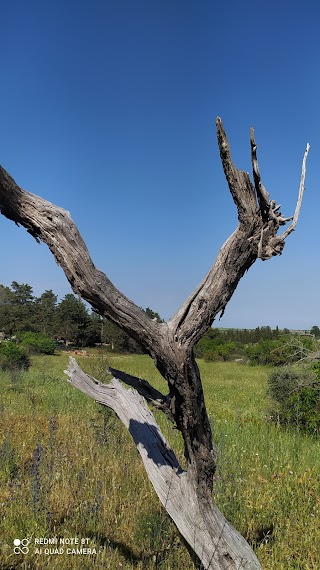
(69, 469)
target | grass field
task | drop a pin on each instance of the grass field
(68, 469)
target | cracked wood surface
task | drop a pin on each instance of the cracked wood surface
(225, 549)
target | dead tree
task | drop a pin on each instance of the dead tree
(187, 494)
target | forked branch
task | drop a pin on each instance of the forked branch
(268, 208)
(150, 394)
(256, 237)
(239, 183)
(191, 504)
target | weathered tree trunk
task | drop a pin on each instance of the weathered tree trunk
(186, 495)
(216, 543)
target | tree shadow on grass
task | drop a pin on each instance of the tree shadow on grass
(104, 541)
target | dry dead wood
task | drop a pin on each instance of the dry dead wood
(187, 495)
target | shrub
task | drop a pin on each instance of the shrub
(12, 357)
(211, 349)
(297, 393)
(37, 343)
(268, 352)
(305, 409)
(316, 369)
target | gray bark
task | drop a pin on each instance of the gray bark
(225, 548)
(170, 345)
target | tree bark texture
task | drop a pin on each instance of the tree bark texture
(187, 495)
(175, 487)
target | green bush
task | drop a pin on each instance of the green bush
(214, 349)
(37, 343)
(12, 357)
(316, 369)
(305, 409)
(268, 352)
(297, 394)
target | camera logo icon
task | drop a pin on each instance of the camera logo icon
(21, 546)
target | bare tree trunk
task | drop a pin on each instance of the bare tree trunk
(186, 495)
(215, 542)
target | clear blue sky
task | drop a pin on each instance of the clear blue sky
(108, 110)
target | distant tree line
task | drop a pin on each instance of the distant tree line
(68, 320)
(261, 345)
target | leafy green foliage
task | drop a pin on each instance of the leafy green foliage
(37, 343)
(69, 321)
(288, 349)
(118, 340)
(305, 409)
(316, 369)
(297, 394)
(153, 315)
(27, 317)
(269, 352)
(16, 305)
(316, 331)
(260, 346)
(72, 319)
(215, 346)
(12, 357)
(45, 310)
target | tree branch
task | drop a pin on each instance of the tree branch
(54, 226)
(268, 208)
(291, 228)
(262, 194)
(255, 237)
(217, 544)
(149, 393)
(239, 183)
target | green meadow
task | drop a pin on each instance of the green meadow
(68, 470)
